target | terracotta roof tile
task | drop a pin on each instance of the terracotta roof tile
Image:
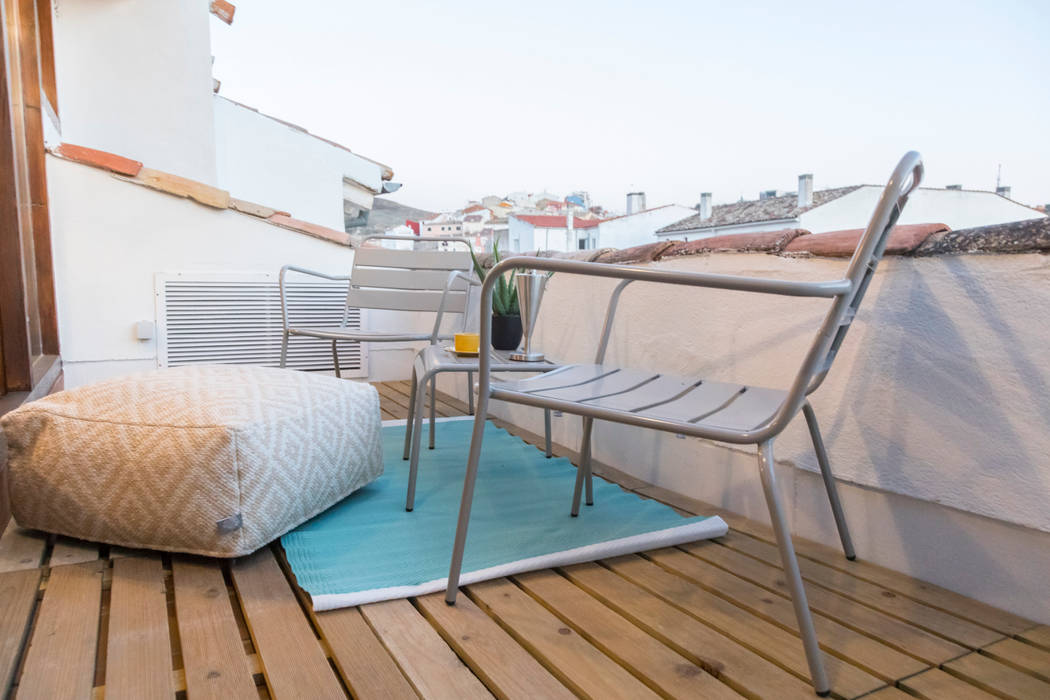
(638, 254)
(556, 221)
(766, 242)
(1025, 236)
(100, 159)
(315, 230)
(904, 240)
(223, 10)
(184, 187)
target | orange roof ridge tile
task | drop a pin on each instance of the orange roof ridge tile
(223, 10)
(99, 159)
(315, 230)
(134, 172)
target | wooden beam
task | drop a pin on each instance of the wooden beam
(14, 331)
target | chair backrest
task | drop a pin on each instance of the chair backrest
(408, 280)
(905, 178)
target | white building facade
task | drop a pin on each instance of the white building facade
(842, 209)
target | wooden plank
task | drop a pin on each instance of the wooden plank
(932, 619)
(889, 693)
(293, 661)
(1039, 636)
(898, 634)
(71, 551)
(922, 591)
(655, 664)
(389, 399)
(445, 404)
(500, 662)
(21, 548)
(432, 667)
(60, 661)
(212, 652)
(998, 679)
(936, 684)
(1024, 657)
(761, 636)
(17, 597)
(138, 657)
(745, 670)
(571, 658)
(365, 665)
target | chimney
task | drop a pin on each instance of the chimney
(1003, 191)
(635, 202)
(705, 206)
(953, 187)
(805, 190)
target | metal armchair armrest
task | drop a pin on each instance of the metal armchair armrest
(303, 271)
(452, 277)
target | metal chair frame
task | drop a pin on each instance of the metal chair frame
(343, 334)
(846, 295)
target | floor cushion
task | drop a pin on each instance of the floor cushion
(206, 459)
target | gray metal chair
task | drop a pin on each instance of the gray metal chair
(394, 280)
(733, 413)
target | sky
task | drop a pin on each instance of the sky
(465, 98)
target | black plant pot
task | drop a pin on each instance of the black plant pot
(506, 332)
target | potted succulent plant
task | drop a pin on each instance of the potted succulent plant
(506, 315)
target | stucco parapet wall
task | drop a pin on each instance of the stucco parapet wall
(904, 240)
(134, 172)
(764, 242)
(1028, 236)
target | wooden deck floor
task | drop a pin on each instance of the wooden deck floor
(711, 619)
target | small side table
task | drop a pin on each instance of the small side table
(432, 361)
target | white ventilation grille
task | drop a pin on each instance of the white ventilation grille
(230, 318)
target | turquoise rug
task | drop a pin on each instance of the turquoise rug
(367, 548)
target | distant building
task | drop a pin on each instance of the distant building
(844, 208)
(550, 232)
(638, 228)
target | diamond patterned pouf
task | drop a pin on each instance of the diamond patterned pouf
(207, 459)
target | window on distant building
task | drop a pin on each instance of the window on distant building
(357, 204)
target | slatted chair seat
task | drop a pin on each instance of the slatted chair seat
(692, 402)
(693, 406)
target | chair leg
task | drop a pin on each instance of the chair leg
(829, 482)
(418, 411)
(791, 571)
(335, 360)
(410, 423)
(547, 432)
(433, 408)
(465, 502)
(284, 349)
(470, 393)
(583, 472)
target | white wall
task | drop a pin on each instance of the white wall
(756, 227)
(957, 209)
(935, 413)
(263, 160)
(134, 78)
(638, 229)
(110, 238)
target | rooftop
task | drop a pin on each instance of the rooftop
(556, 221)
(709, 619)
(756, 210)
